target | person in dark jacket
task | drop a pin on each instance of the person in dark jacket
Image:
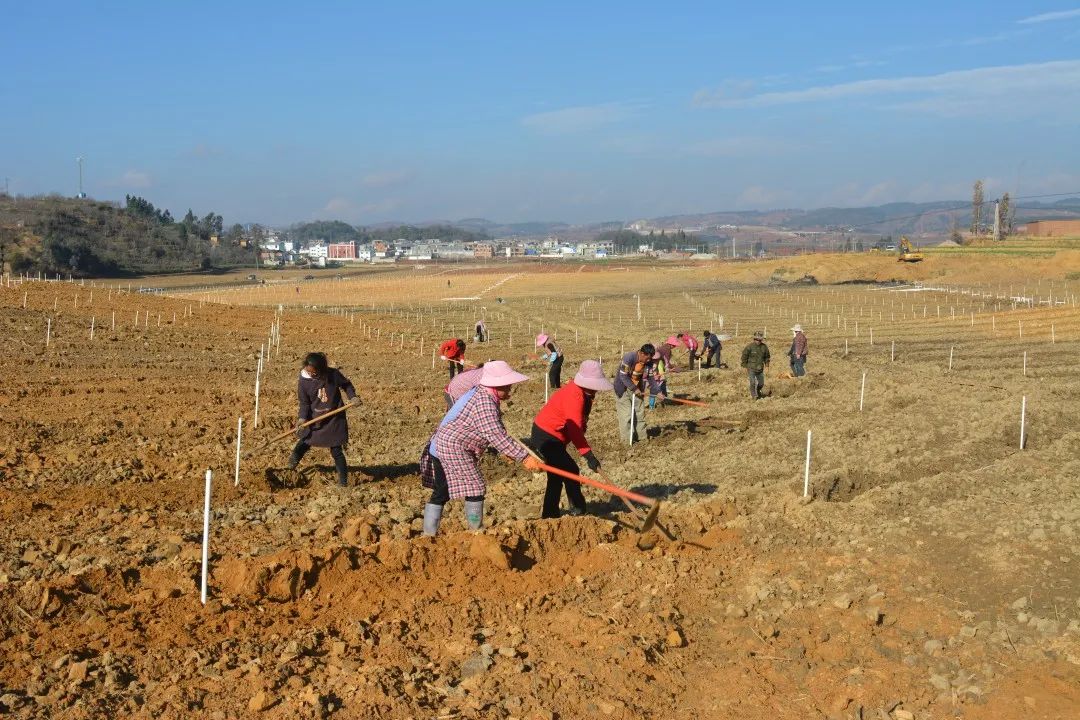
(798, 351)
(714, 347)
(562, 420)
(319, 391)
(755, 358)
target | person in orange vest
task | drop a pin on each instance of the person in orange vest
(564, 419)
(453, 351)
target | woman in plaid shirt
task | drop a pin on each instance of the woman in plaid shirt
(450, 462)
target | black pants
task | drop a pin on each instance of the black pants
(300, 450)
(441, 494)
(553, 451)
(713, 352)
(555, 373)
(455, 368)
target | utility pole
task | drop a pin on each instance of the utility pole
(997, 220)
(81, 194)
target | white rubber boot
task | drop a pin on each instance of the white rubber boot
(432, 518)
(474, 514)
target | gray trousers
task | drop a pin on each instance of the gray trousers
(757, 382)
(623, 413)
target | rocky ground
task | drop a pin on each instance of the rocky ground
(931, 572)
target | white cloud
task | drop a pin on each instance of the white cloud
(578, 119)
(386, 178)
(757, 197)
(1014, 87)
(135, 179)
(1050, 17)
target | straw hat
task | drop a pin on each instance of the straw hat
(498, 373)
(797, 327)
(591, 377)
(541, 340)
(758, 335)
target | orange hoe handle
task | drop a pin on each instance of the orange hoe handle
(685, 402)
(600, 485)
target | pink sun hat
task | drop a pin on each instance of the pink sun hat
(498, 373)
(541, 340)
(591, 377)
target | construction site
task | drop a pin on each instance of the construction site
(891, 537)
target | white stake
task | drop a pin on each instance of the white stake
(951, 348)
(206, 535)
(48, 331)
(806, 471)
(92, 318)
(1053, 339)
(432, 358)
(113, 321)
(1023, 413)
(239, 432)
(893, 354)
(1025, 363)
(862, 391)
(546, 387)
(633, 410)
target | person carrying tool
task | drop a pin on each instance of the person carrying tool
(798, 351)
(692, 347)
(480, 331)
(665, 350)
(554, 358)
(453, 351)
(319, 390)
(461, 384)
(755, 358)
(630, 393)
(656, 380)
(713, 347)
(450, 462)
(564, 419)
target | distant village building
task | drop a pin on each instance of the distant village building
(341, 251)
(483, 250)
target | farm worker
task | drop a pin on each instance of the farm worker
(713, 346)
(319, 391)
(480, 334)
(665, 351)
(453, 351)
(798, 350)
(450, 462)
(755, 358)
(461, 384)
(692, 346)
(564, 419)
(656, 379)
(554, 357)
(630, 392)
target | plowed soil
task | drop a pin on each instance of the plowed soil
(930, 571)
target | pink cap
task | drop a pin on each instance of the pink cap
(541, 340)
(498, 373)
(591, 377)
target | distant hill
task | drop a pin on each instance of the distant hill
(54, 234)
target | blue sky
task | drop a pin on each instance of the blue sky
(276, 113)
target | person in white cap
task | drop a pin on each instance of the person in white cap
(798, 351)
(565, 419)
(450, 462)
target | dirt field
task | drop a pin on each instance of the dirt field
(932, 572)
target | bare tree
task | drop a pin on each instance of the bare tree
(977, 208)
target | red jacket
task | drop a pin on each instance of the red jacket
(449, 350)
(566, 416)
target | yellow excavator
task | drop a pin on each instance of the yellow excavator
(907, 252)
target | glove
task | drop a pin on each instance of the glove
(593, 463)
(531, 463)
(354, 400)
(303, 433)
